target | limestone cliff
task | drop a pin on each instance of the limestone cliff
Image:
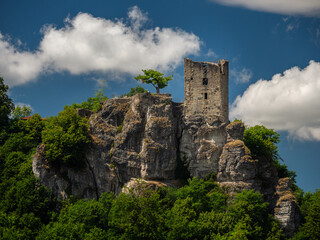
(149, 137)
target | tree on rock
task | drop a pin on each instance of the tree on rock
(155, 78)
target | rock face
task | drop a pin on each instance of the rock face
(131, 138)
(149, 137)
(64, 181)
(286, 209)
(201, 145)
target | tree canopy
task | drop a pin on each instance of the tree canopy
(262, 141)
(136, 90)
(21, 111)
(6, 105)
(154, 78)
(65, 138)
(201, 209)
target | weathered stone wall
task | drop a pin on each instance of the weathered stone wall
(206, 90)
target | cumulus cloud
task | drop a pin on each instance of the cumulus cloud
(91, 44)
(288, 102)
(17, 67)
(288, 7)
(242, 76)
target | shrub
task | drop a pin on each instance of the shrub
(65, 138)
(135, 91)
(262, 141)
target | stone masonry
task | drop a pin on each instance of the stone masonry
(206, 90)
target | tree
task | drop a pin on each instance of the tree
(6, 105)
(310, 209)
(262, 141)
(21, 111)
(135, 91)
(65, 138)
(155, 78)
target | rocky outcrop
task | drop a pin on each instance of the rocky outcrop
(64, 181)
(286, 209)
(237, 169)
(131, 138)
(137, 186)
(201, 145)
(147, 139)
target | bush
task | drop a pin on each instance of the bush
(262, 141)
(310, 209)
(135, 91)
(65, 138)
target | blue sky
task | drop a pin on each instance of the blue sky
(54, 53)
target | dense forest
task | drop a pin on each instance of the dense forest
(198, 210)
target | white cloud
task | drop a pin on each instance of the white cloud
(137, 17)
(288, 7)
(90, 44)
(17, 67)
(288, 102)
(211, 53)
(242, 76)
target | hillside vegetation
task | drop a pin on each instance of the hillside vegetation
(198, 210)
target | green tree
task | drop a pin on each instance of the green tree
(154, 78)
(65, 138)
(262, 141)
(310, 209)
(24, 204)
(6, 105)
(135, 91)
(137, 217)
(21, 111)
(252, 218)
(82, 219)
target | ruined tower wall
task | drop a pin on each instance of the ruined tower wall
(206, 90)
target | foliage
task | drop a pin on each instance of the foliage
(93, 103)
(80, 220)
(237, 120)
(119, 128)
(199, 210)
(262, 141)
(135, 91)
(154, 78)
(24, 204)
(65, 138)
(6, 105)
(21, 111)
(310, 208)
(283, 171)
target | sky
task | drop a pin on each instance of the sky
(55, 53)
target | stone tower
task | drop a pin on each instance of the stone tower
(206, 90)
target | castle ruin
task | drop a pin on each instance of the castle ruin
(206, 90)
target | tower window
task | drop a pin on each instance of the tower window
(205, 81)
(205, 96)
